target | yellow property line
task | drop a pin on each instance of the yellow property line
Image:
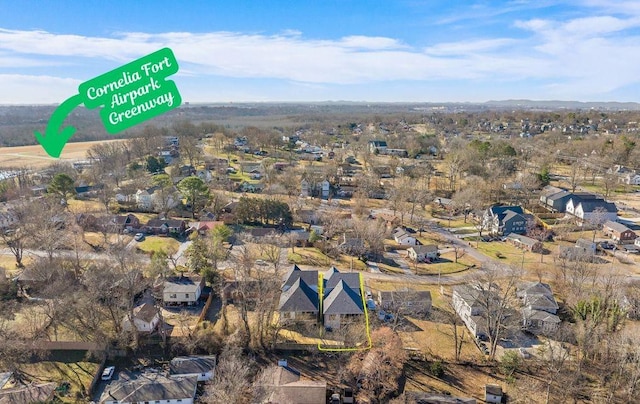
(366, 320)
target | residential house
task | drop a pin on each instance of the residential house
(310, 278)
(151, 388)
(389, 220)
(240, 290)
(421, 253)
(153, 199)
(204, 175)
(420, 397)
(470, 304)
(631, 179)
(144, 200)
(403, 237)
(305, 188)
(539, 308)
(202, 367)
(146, 318)
(619, 233)
(299, 302)
(340, 300)
(444, 203)
(182, 290)
(377, 146)
(204, 227)
(493, 393)
(554, 204)
(125, 222)
(8, 216)
(325, 188)
(32, 393)
(585, 246)
(342, 304)
(503, 220)
(251, 188)
(258, 233)
(557, 202)
(285, 385)
(351, 245)
(166, 227)
(414, 301)
(588, 208)
(524, 242)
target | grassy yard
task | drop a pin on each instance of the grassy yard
(314, 257)
(156, 243)
(83, 206)
(447, 267)
(436, 339)
(78, 374)
(507, 253)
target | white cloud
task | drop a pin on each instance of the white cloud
(25, 89)
(593, 55)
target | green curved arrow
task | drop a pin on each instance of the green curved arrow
(53, 142)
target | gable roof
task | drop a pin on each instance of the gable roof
(423, 249)
(299, 298)
(528, 241)
(535, 288)
(145, 312)
(549, 190)
(295, 273)
(540, 315)
(558, 195)
(510, 214)
(500, 211)
(172, 223)
(351, 279)
(182, 284)
(591, 205)
(343, 300)
(146, 389)
(34, 393)
(183, 365)
(619, 227)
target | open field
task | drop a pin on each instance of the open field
(36, 157)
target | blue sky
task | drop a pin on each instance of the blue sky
(330, 50)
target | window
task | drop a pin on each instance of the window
(172, 296)
(186, 295)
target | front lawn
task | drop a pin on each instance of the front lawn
(156, 243)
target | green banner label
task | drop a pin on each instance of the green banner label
(135, 92)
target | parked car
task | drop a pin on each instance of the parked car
(139, 237)
(107, 374)
(371, 305)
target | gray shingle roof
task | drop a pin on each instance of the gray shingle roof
(619, 227)
(299, 298)
(182, 284)
(145, 312)
(145, 389)
(183, 365)
(343, 300)
(352, 280)
(295, 273)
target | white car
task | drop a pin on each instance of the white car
(107, 374)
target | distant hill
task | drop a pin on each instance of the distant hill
(551, 105)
